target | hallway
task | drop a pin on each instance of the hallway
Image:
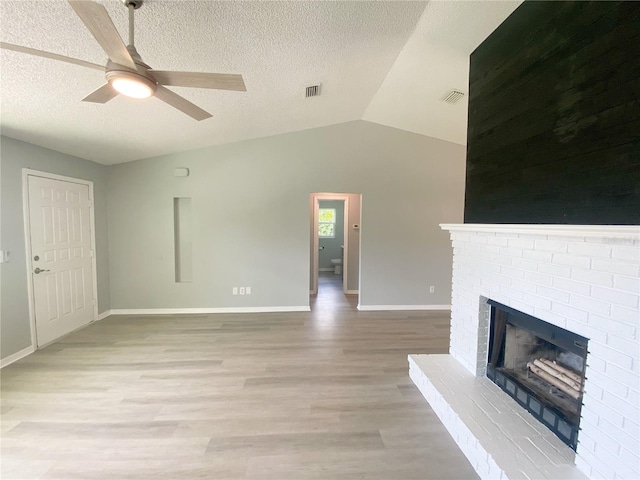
(330, 296)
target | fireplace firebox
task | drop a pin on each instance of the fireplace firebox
(541, 366)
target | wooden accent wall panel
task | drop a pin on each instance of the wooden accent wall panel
(554, 117)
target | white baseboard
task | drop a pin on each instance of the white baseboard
(404, 307)
(17, 356)
(326, 269)
(182, 311)
(352, 292)
(104, 315)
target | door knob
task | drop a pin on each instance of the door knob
(39, 270)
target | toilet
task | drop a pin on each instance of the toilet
(337, 265)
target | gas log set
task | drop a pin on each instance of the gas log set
(558, 376)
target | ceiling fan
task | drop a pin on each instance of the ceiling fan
(125, 71)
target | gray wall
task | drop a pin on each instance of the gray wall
(332, 246)
(14, 156)
(250, 207)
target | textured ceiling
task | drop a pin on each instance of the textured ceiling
(355, 49)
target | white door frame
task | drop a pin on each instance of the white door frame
(315, 205)
(26, 173)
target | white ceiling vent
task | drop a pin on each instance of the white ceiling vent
(312, 91)
(452, 96)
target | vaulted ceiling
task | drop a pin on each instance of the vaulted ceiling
(385, 62)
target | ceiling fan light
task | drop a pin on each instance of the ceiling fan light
(131, 84)
(132, 88)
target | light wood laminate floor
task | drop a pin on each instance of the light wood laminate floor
(320, 395)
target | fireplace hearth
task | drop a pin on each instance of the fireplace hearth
(541, 366)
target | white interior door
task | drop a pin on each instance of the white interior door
(61, 256)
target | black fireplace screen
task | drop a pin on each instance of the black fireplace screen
(541, 366)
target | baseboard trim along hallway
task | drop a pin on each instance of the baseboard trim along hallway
(402, 307)
(17, 356)
(184, 311)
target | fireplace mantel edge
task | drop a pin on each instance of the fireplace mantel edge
(606, 231)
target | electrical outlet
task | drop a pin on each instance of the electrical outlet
(235, 290)
(241, 290)
(247, 290)
(432, 289)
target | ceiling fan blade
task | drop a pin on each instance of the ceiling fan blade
(52, 56)
(97, 20)
(219, 81)
(101, 95)
(181, 103)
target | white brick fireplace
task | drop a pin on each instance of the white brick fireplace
(585, 279)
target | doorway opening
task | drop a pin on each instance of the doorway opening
(335, 248)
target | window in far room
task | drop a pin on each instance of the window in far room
(327, 222)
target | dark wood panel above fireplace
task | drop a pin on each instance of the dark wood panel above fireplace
(554, 117)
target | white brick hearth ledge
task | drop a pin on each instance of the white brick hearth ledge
(475, 412)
